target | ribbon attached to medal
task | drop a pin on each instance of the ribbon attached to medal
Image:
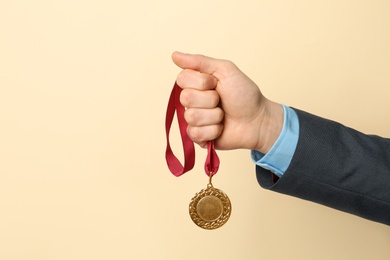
(210, 208)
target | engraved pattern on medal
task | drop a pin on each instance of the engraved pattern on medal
(210, 208)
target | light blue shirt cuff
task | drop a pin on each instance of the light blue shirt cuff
(280, 155)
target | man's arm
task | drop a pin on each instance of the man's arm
(338, 167)
(332, 164)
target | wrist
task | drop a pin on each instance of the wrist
(271, 126)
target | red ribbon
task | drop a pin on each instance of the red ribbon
(212, 161)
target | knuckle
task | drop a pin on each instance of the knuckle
(216, 131)
(219, 114)
(204, 134)
(204, 82)
(185, 97)
(229, 64)
(180, 79)
(219, 130)
(214, 98)
(190, 116)
(195, 133)
(209, 82)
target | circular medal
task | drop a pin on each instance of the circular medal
(210, 208)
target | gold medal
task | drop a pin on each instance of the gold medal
(210, 208)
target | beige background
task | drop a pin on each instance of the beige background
(83, 91)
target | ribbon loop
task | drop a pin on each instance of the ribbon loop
(174, 165)
(211, 165)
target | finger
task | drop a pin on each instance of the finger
(194, 79)
(201, 63)
(203, 117)
(202, 134)
(199, 99)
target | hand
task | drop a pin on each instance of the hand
(224, 105)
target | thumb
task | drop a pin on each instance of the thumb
(200, 63)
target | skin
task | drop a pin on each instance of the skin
(224, 105)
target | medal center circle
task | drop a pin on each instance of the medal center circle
(209, 208)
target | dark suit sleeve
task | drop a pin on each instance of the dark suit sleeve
(338, 167)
